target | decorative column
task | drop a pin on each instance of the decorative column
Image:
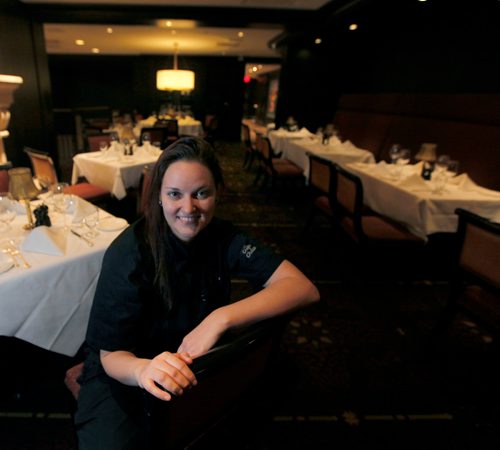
(8, 84)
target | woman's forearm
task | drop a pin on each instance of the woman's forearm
(123, 366)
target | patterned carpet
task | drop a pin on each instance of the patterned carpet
(357, 371)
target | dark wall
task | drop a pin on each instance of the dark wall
(429, 47)
(22, 53)
(129, 82)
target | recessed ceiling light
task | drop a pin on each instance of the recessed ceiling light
(353, 26)
(96, 50)
(317, 41)
(79, 42)
(241, 34)
(168, 23)
(109, 30)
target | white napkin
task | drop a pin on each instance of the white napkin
(82, 209)
(46, 240)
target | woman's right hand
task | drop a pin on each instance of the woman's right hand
(168, 370)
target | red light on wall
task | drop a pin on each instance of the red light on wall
(246, 79)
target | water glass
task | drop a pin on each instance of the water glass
(7, 210)
(103, 147)
(90, 221)
(394, 153)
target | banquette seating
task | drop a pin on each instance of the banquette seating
(464, 126)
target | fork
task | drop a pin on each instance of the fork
(14, 251)
(8, 251)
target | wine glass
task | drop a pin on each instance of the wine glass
(404, 157)
(59, 199)
(452, 168)
(103, 147)
(442, 163)
(7, 210)
(90, 221)
(394, 153)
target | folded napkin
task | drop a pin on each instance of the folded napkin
(46, 240)
(82, 208)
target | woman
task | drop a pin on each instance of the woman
(163, 297)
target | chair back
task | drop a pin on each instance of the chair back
(348, 193)
(93, 141)
(43, 167)
(171, 130)
(143, 189)
(479, 244)
(4, 177)
(320, 173)
(157, 135)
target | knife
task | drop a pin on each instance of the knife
(81, 236)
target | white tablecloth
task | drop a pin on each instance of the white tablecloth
(280, 138)
(49, 304)
(188, 126)
(410, 199)
(341, 153)
(112, 171)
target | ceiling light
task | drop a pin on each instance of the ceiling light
(96, 50)
(353, 26)
(175, 80)
(241, 34)
(317, 41)
(79, 42)
(109, 30)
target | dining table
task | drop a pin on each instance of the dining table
(188, 125)
(340, 152)
(112, 170)
(48, 274)
(424, 206)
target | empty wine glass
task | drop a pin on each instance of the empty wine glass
(90, 221)
(442, 163)
(404, 157)
(452, 168)
(103, 147)
(59, 199)
(7, 210)
(394, 153)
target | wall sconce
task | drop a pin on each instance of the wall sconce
(175, 79)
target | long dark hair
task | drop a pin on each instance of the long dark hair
(184, 149)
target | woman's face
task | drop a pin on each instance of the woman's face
(188, 196)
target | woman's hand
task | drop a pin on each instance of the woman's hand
(168, 370)
(205, 335)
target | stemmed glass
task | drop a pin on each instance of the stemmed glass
(60, 200)
(452, 169)
(103, 147)
(394, 153)
(403, 158)
(442, 163)
(7, 211)
(90, 221)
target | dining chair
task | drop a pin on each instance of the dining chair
(94, 140)
(275, 168)
(156, 134)
(210, 128)
(142, 189)
(378, 240)
(46, 175)
(248, 147)
(4, 176)
(230, 377)
(321, 183)
(475, 283)
(171, 127)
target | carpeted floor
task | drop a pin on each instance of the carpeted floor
(357, 371)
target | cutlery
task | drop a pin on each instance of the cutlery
(81, 236)
(14, 251)
(8, 251)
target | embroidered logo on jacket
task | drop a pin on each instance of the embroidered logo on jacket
(248, 250)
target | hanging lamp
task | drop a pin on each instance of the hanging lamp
(175, 80)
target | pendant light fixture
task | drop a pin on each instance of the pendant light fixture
(175, 80)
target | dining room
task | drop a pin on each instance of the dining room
(426, 84)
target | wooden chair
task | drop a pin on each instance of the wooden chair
(45, 172)
(321, 185)
(271, 166)
(475, 284)
(228, 377)
(248, 147)
(4, 177)
(171, 130)
(93, 141)
(142, 189)
(383, 248)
